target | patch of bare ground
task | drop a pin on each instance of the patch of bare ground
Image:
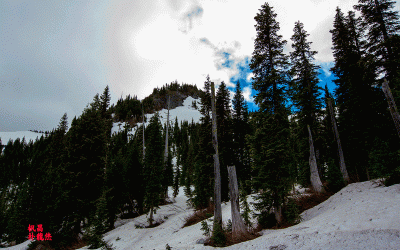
(199, 215)
(312, 199)
(235, 239)
(45, 245)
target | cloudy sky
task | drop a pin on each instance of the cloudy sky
(56, 55)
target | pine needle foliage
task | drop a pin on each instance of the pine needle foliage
(305, 94)
(269, 142)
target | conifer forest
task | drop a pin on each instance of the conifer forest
(79, 178)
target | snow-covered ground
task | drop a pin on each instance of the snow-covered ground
(182, 113)
(360, 216)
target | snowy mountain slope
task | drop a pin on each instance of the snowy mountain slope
(360, 216)
(182, 113)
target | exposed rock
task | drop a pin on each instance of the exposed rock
(201, 241)
(278, 247)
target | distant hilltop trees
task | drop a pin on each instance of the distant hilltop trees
(40, 131)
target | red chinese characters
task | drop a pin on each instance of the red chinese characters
(39, 236)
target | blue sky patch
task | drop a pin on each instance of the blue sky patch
(196, 12)
(228, 63)
(325, 76)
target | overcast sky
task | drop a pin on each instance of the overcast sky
(56, 55)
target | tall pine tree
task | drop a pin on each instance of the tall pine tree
(360, 102)
(269, 144)
(305, 97)
(224, 130)
(204, 163)
(153, 167)
(382, 24)
(240, 130)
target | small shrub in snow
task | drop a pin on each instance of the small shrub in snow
(205, 228)
(95, 240)
(244, 205)
(229, 226)
(44, 245)
(266, 220)
(394, 178)
(292, 213)
(218, 238)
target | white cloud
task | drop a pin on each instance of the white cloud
(247, 94)
(249, 76)
(326, 68)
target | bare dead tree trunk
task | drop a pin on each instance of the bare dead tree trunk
(315, 180)
(238, 227)
(392, 105)
(166, 137)
(143, 132)
(217, 175)
(341, 157)
(151, 219)
(166, 151)
(278, 214)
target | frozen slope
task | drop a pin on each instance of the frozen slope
(182, 113)
(360, 216)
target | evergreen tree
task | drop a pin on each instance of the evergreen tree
(329, 149)
(359, 101)
(63, 126)
(85, 166)
(205, 109)
(305, 96)
(16, 191)
(182, 159)
(177, 175)
(204, 163)
(105, 99)
(168, 173)
(240, 130)
(381, 24)
(382, 27)
(224, 130)
(269, 144)
(153, 166)
(176, 138)
(134, 171)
